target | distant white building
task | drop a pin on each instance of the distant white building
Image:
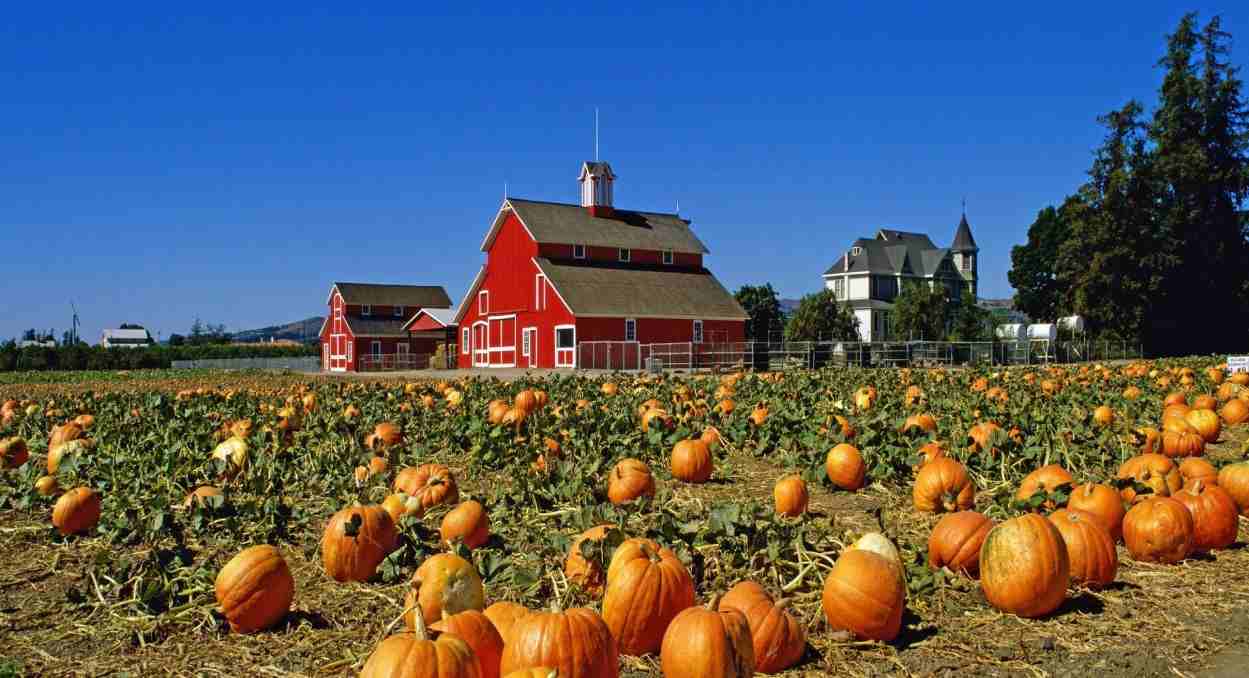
(28, 343)
(128, 338)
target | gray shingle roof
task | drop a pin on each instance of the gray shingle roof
(608, 290)
(892, 252)
(553, 222)
(376, 327)
(414, 296)
(962, 237)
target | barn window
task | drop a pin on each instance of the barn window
(349, 344)
(668, 257)
(631, 330)
(624, 254)
(483, 302)
(539, 292)
(698, 331)
(398, 311)
(578, 251)
(464, 341)
(525, 343)
(366, 310)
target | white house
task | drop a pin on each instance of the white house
(128, 338)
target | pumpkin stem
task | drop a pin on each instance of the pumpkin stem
(555, 607)
(714, 603)
(418, 622)
(1197, 487)
(782, 604)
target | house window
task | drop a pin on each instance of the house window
(366, 309)
(376, 349)
(539, 292)
(668, 257)
(631, 330)
(624, 254)
(483, 302)
(698, 331)
(524, 343)
(856, 251)
(578, 251)
(839, 288)
(966, 262)
(464, 341)
(398, 311)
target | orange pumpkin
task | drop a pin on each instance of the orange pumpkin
(384, 435)
(467, 522)
(1175, 398)
(526, 401)
(1103, 416)
(1156, 471)
(864, 594)
(576, 643)
(479, 632)
(1090, 548)
(1205, 402)
(1196, 468)
(76, 511)
(255, 589)
(628, 480)
(929, 451)
(943, 485)
(956, 540)
(1024, 567)
(790, 496)
(981, 437)
(443, 583)
(691, 461)
(399, 505)
(1159, 530)
(13, 452)
(1234, 478)
(414, 655)
(1102, 503)
(705, 643)
(779, 640)
(1236, 411)
(1047, 479)
(845, 468)
(430, 484)
(1182, 444)
(355, 542)
(1215, 517)
(583, 571)
(646, 587)
(504, 614)
(920, 423)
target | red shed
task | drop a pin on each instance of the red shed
(365, 328)
(557, 274)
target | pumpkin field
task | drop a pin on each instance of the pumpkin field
(1030, 521)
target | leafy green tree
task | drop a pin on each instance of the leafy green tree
(970, 323)
(919, 312)
(820, 317)
(1033, 271)
(763, 307)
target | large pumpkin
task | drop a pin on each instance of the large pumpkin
(1236, 411)
(479, 632)
(1024, 567)
(1090, 548)
(1156, 471)
(431, 484)
(76, 511)
(586, 572)
(1215, 516)
(255, 589)
(691, 461)
(1101, 502)
(790, 496)
(414, 655)
(845, 468)
(1159, 530)
(779, 640)
(356, 540)
(576, 643)
(384, 435)
(864, 594)
(943, 485)
(705, 643)
(444, 583)
(1195, 468)
(628, 480)
(955, 541)
(647, 586)
(1047, 479)
(1234, 478)
(1182, 443)
(1206, 422)
(467, 522)
(504, 614)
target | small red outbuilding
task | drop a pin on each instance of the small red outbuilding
(366, 328)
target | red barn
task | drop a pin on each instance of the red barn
(366, 326)
(559, 274)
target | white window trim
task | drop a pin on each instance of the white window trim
(349, 345)
(624, 255)
(574, 252)
(375, 348)
(525, 348)
(466, 340)
(856, 251)
(539, 292)
(572, 351)
(668, 257)
(634, 323)
(366, 309)
(402, 347)
(697, 334)
(483, 302)
(398, 312)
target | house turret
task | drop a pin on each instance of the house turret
(965, 254)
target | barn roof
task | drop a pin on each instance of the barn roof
(443, 316)
(414, 296)
(605, 290)
(376, 326)
(565, 223)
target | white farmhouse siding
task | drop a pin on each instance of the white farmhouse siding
(865, 324)
(127, 338)
(859, 287)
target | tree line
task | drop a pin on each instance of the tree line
(83, 357)
(1154, 246)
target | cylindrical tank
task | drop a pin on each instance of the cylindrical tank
(1072, 323)
(1043, 332)
(1012, 332)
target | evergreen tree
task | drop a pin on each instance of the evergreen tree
(764, 309)
(970, 323)
(919, 312)
(1033, 271)
(820, 317)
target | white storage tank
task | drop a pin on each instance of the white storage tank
(1043, 332)
(1012, 332)
(1072, 323)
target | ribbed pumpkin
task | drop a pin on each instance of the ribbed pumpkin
(647, 585)
(790, 496)
(76, 511)
(384, 435)
(356, 540)
(255, 589)
(1206, 402)
(504, 614)
(1235, 411)
(845, 468)
(479, 632)
(582, 571)
(865, 594)
(535, 672)
(920, 423)
(1154, 470)
(444, 583)
(1196, 468)
(981, 437)
(628, 480)
(1047, 478)
(1024, 567)
(467, 522)
(577, 643)
(1159, 530)
(1234, 478)
(1090, 548)
(64, 433)
(13, 452)
(1102, 503)
(691, 461)
(929, 451)
(705, 643)
(1215, 517)
(779, 640)
(955, 542)
(943, 485)
(1183, 443)
(431, 484)
(414, 655)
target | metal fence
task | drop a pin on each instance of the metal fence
(390, 362)
(299, 364)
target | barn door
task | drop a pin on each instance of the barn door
(503, 341)
(529, 346)
(481, 345)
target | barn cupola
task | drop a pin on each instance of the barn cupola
(596, 188)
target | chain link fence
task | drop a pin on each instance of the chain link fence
(298, 364)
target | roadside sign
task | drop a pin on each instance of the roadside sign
(1238, 363)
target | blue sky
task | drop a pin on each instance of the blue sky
(232, 164)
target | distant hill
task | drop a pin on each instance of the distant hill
(300, 330)
(789, 305)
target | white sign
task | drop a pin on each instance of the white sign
(1238, 363)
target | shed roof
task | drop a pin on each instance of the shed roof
(604, 290)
